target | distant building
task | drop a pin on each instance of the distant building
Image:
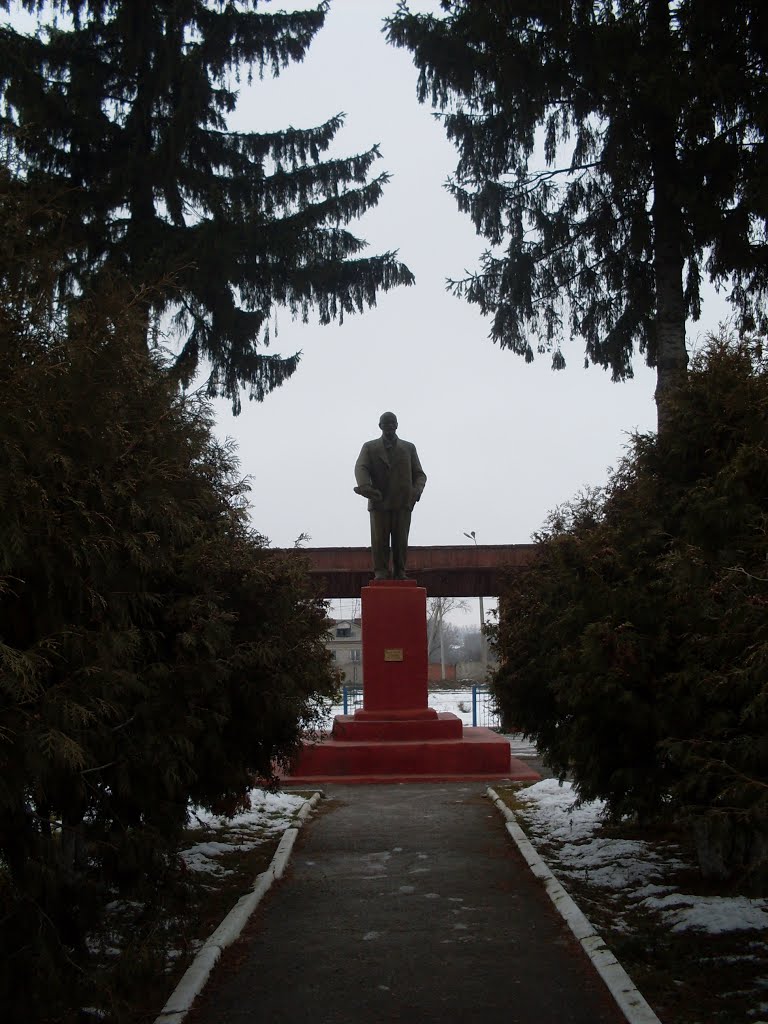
(346, 646)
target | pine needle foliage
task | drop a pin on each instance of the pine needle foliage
(121, 111)
(635, 647)
(153, 650)
(612, 156)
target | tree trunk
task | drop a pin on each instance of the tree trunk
(671, 353)
(442, 645)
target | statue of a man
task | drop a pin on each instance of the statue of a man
(389, 474)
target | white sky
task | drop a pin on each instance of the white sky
(501, 442)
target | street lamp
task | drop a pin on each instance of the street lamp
(483, 650)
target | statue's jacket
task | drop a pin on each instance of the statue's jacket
(394, 470)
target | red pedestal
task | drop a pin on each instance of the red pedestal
(395, 659)
(396, 736)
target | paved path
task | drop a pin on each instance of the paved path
(406, 903)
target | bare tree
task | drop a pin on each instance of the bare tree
(442, 636)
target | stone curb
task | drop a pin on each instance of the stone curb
(619, 984)
(198, 972)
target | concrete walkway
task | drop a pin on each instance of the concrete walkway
(406, 903)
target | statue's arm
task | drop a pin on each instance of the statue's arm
(363, 468)
(363, 476)
(418, 476)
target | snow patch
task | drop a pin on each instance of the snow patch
(267, 815)
(711, 914)
(267, 810)
(552, 808)
(576, 849)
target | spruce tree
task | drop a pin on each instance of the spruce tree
(120, 110)
(612, 156)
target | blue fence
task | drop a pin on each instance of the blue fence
(483, 711)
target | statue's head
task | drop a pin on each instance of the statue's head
(388, 424)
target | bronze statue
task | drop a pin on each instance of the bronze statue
(389, 474)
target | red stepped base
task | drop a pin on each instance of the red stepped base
(352, 728)
(303, 782)
(396, 737)
(475, 752)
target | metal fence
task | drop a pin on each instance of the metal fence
(484, 712)
(351, 699)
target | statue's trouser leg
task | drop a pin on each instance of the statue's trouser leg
(381, 525)
(401, 525)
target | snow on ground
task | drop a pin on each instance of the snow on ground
(576, 849)
(202, 856)
(521, 745)
(268, 815)
(458, 701)
(267, 810)
(712, 914)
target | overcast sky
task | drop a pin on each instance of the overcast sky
(501, 442)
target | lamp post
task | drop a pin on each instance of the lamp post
(483, 650)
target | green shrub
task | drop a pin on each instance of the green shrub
(634, 647)
(153, 650)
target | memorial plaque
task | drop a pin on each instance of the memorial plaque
(393, 654)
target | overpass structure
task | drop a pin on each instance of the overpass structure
(463, 570)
